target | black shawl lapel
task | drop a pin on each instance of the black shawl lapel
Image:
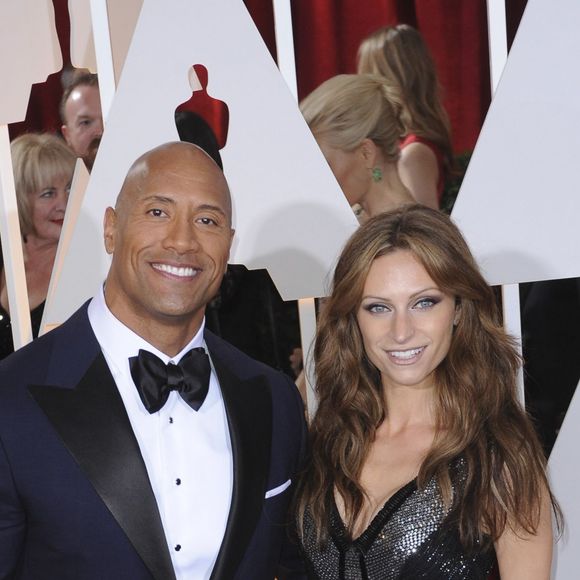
(93, 424)
(249, 411)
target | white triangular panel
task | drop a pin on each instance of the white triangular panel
(565, 480)
(82, 45)
(122, 18)
(519, 203)
(29, 52)
(289, 213)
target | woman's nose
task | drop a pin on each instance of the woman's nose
(403, 327)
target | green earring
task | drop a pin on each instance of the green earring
(377, 174)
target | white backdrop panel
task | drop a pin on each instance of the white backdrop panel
(29, 52)
(518, 205)
(289, 212)
(565, 480)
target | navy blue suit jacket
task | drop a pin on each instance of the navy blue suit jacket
(75, 499)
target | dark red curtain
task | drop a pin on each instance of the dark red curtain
(326, 36)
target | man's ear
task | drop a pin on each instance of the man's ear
(232, 234)
(64, 131)
(369, 151)
(110, 228)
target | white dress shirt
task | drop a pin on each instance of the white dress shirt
(187, 453)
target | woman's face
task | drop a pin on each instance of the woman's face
(47, 207)
(348, 169)
(405, 320)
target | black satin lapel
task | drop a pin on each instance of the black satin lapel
(249, 411)
(93, 424)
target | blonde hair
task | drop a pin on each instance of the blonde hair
(37, 159)
(346, 109)
(399, 54)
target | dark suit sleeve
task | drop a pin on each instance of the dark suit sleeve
(12, 520)
(291, 565)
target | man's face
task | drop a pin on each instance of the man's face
(83, 126)
(170, 237)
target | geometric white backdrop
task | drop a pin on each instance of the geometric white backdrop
(289, 213)
(519, 203)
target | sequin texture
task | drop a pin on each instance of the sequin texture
(412, 537)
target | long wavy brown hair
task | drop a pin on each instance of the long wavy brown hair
(478, 416)
(400, 54)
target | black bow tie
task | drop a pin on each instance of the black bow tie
(155, 380)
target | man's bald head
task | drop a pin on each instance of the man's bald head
(176, 156)
(170, 236)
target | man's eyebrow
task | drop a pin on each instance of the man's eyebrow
(211, 207)
(169, 200)
(159, 198)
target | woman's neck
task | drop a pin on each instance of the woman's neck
(36, 247)
(386, 194)
(39, 255)
(408, 407)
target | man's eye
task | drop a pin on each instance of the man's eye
(156, 212)
(206, 221)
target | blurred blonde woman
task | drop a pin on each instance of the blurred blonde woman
(43, 169)
(400, 55)
(355, 120)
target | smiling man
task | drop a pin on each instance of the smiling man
(133, 443)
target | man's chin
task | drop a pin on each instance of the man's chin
(89, 159)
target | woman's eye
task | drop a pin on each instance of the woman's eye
(425, 303)
(47, 193)
(376, 308)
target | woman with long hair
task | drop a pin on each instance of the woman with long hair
(43, 169)
(423, 463)
(355, 120)
(400, 54)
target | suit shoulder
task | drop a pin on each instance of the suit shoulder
(30, 362)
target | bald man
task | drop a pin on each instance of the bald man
(133, 443)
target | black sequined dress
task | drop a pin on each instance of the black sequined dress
(412, 537)
(6, 344)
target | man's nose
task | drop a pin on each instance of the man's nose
(98, 128)
(181, 235)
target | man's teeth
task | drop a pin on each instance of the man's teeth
(405, 353)
(183, 271)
